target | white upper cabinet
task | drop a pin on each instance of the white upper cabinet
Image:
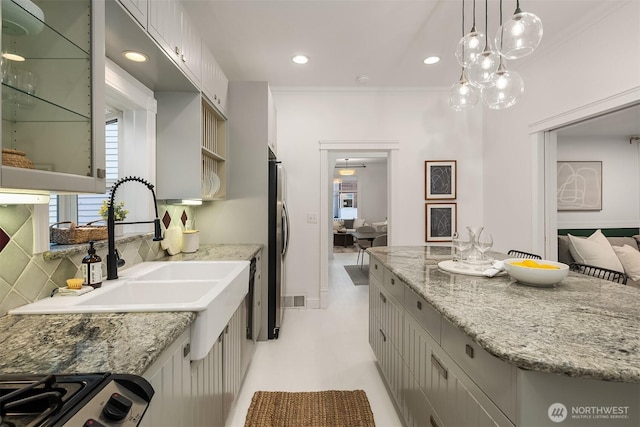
(215, 84)
(53, 99)
(137, 9)
(190, 57)
(170, 27)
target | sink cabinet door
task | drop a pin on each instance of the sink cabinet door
(170, 377)
(207, 387)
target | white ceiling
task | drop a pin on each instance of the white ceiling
(624, 123)
(386, 40)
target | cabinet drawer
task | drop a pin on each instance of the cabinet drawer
(375, 268)
(494, 376)
(422, 311)
(394, 285)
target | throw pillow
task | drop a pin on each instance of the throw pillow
(594, 250)
(358, 222)
(630, 259)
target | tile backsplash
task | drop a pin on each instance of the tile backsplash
(27, 277)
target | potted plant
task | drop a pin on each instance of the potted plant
(120, 214)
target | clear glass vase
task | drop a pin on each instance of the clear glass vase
(474, 256)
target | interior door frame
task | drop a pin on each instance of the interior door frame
(326, 176)
(544, 140)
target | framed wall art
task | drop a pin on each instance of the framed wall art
(441, 221)
(440, 179)
(579, 186)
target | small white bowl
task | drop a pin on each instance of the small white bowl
(540, 277)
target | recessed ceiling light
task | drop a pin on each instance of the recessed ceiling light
(13, 57)
(300, 59)
(134, 56)
(430, 60)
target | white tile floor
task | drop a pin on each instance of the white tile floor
(321, 350)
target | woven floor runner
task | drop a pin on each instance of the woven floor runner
(331, 408)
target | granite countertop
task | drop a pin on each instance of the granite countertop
(102, 342)
(583, 327)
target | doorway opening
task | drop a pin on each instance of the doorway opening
(383, 153)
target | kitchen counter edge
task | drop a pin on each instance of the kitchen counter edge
(487, 310)
(101, 342)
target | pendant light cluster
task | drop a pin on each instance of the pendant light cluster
(484, 71)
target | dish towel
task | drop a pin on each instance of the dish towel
(66, 292)
(496, 268)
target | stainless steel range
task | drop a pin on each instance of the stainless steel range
(95, 400)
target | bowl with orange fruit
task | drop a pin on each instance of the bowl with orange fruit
(536, 272)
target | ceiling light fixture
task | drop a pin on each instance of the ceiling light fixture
(300, 59)
(134, 56)
(462, 95)
(500, 88)
(430, 60)
(505, 87)
(469, 46)
(486, 64)
(344, 170)
(520, 35)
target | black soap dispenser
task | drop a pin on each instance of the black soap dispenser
(92, 268)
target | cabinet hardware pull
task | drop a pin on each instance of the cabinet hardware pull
(186, 350)
(384, 337)
(393, 281)
(433, 422)
(375, 266)
(419, 304)
(383, 298)
(101, 173)
(441, 369)
(469, 350)
(226, 329)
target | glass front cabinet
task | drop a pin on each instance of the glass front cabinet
(53, 95)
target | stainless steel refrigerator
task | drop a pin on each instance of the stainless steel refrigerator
(277, 248)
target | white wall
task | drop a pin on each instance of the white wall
(424, 125)
(620, 182)
(599, 62)
(372, 192)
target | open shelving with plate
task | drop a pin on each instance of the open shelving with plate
(190, 132)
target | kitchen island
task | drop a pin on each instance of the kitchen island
(100, 342)
(515, 350)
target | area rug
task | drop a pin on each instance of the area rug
(358, 276)
(331, 408)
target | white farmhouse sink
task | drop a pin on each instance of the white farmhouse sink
(213, 289)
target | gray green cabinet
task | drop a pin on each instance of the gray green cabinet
(53, 95)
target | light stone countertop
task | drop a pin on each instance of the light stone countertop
(102, 342)
(583, 327)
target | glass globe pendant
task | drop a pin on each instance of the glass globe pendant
(470, 45)
(462, 95)
(519, 36)
(481, 71)
(506, 88)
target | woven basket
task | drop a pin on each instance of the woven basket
(77, 234)
(16, 158)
